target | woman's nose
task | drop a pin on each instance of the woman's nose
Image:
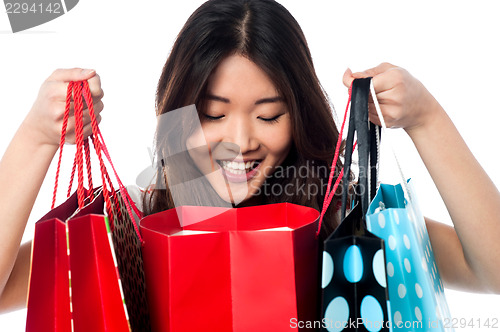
(241, 133)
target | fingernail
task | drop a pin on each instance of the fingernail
(88, 71)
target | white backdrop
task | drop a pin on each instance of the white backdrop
(451, 46)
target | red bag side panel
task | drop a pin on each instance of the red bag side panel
(262, 280)
(97, 303)
(48, 300)
(192, 267)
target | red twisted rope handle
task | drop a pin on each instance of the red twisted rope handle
(78, 106)
(61, 143)
(126, 197)
(99, 148)
(330, 193)
(73, 172)
(120, 184)
(111, 189)
(72, 90)
(79, 89)
(89, 166)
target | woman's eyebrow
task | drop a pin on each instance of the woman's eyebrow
(217, 98)
(269, 100)
(258, 102)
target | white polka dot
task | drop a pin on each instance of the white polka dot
(392, 242)
(424, 265)
(397, 318)
(401, 290)
(337, 311)
(407, 265)
(418, 313)
(327, 269)
(406, 240)
(410, 217)
(381, 220)
(396, 217)
(390, 269)
(379, 268)
(419, 290)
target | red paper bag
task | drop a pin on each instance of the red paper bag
(80, 253)
(86, 272)
(218, 269)
(50, 263)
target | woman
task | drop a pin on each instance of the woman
(247, 68)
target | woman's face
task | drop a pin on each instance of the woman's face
(247, 127)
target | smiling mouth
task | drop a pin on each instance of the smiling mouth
(238, 168)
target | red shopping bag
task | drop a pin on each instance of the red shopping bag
(242, 269)
(86, 271)
(51, 286)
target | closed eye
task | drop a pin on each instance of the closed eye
(212, 118)
(271, 120)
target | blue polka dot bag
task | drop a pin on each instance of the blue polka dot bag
(415, 288)
(354, 280)
(417, 300)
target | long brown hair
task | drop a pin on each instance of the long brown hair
(267, 34)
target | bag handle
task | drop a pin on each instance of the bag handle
(79, 89)
(403, 183)
(367, 136)
(330, 192)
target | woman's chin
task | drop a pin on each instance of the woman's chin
(238, 193)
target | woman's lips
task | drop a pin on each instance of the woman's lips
(239, 171)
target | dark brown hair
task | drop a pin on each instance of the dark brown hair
(267, 34)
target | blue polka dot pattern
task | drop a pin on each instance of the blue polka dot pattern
(378, 267)
(372, 314)
(337, 311)
(415, 288)
(358, 281)
(353, 264)
(327, 269)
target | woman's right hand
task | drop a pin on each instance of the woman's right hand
(47, 114)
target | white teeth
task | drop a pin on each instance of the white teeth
(237, 167)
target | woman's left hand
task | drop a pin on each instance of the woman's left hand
(404, 101)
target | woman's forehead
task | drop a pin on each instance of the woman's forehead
(238, 77)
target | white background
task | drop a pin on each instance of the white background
(451, 46)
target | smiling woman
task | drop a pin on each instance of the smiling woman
(237, 130)
(247, 68)
(242, 107)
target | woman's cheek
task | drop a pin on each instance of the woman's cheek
(280, 140)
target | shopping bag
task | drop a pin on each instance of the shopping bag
(237, 269)
(354, 280)
(86, 272)
(416, 291)
(49, 277)
(415, 286)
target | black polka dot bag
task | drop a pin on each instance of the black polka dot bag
(354, 280)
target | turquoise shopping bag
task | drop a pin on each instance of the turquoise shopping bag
(417, 299)
(415, 288)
